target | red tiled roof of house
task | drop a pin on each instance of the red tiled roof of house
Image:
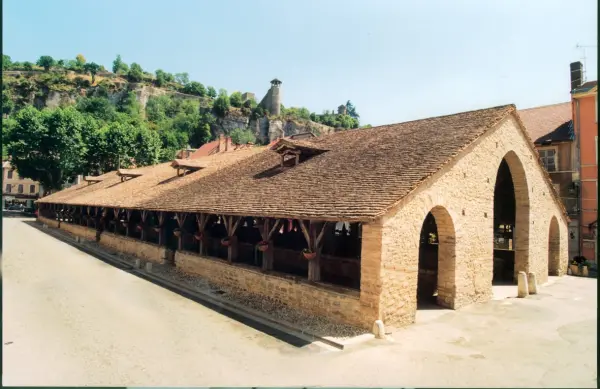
(540, 121)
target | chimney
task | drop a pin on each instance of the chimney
(576, 75)
(222, 143)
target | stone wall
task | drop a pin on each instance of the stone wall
(343, 307)
(134, 247)
(81, 231)
(462, 197)
(50, 222)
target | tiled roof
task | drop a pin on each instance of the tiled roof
(364, 173)
(543, 121)
(586, 87)
(155, 181)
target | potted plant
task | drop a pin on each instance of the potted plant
(139, 227)
(177, 232)
(309, 255)
(226, 241)
(574, 268)
(198, 236)
(124, 222)
(157, 228)
(263, 245)
(585, 269)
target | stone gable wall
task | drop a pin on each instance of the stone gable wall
(465, 191)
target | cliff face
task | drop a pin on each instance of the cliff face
(40, 94)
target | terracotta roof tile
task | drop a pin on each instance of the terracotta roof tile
(541, 121)
(155, 181)
(364, 173)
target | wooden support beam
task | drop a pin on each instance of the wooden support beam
(313, 233)
(202, 220)
(269, 226)
(144, 226)
(161, 232)
(231, 225)
(180, 217)
(128, 216)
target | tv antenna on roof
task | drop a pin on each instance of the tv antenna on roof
(584, 58)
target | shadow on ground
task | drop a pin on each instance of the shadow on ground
(280, 335)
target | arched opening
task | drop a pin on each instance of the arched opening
(511, 221)
(437, 259)
(554, 248)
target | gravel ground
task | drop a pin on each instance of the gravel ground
(316, 325)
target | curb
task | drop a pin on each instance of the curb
(227, 306)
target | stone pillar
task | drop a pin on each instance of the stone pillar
(531, 283)
(523, 289)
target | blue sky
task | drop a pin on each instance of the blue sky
(397, 60)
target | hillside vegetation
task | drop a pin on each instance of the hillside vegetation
(99, 123)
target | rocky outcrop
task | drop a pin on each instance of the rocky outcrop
(282, 128)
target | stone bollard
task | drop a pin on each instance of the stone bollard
(532, 283)
(149, 267)
(585, 272)
(379, 329)
(137, 263)
(523, 289)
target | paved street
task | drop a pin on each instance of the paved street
(72, 320)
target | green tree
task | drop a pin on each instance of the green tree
(236, 99)
(351, 110)
(135, 74)
(60, 63)
(221, 105)
(46, 62)
(80, 61)
(6, 62)
(92, 68)
(118, 66)
(7, 102)
(7, 126)
(211, 92)
(242, 137)
(194, 88)
(47, 146)
(182, 78)
(160, 78)
(146, 147)
(98, 107)
(27, 66)
(120, 139)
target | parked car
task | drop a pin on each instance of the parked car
(16, 207)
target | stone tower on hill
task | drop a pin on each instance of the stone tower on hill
(272, 100)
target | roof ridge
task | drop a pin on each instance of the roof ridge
(505, 106)
(544, 106)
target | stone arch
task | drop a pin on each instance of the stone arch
(521, 219)
(445, 277)
(554, 248)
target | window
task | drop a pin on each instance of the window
(9, 174)
(20, 188)
(8, 187)
(548, 159)
(31, 188)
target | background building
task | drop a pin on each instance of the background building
(16, 189)
(584, 101)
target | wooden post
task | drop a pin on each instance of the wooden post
(116, 212)
(314, 238)
(231, 225)
(143, 232)
(201, 220)
(128, 215)
(161, 232)
(266, 232)
(180, 217)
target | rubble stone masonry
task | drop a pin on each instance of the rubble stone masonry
(464, 191)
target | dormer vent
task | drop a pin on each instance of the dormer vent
(185, 166)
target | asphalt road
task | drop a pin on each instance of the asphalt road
(72, 320)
